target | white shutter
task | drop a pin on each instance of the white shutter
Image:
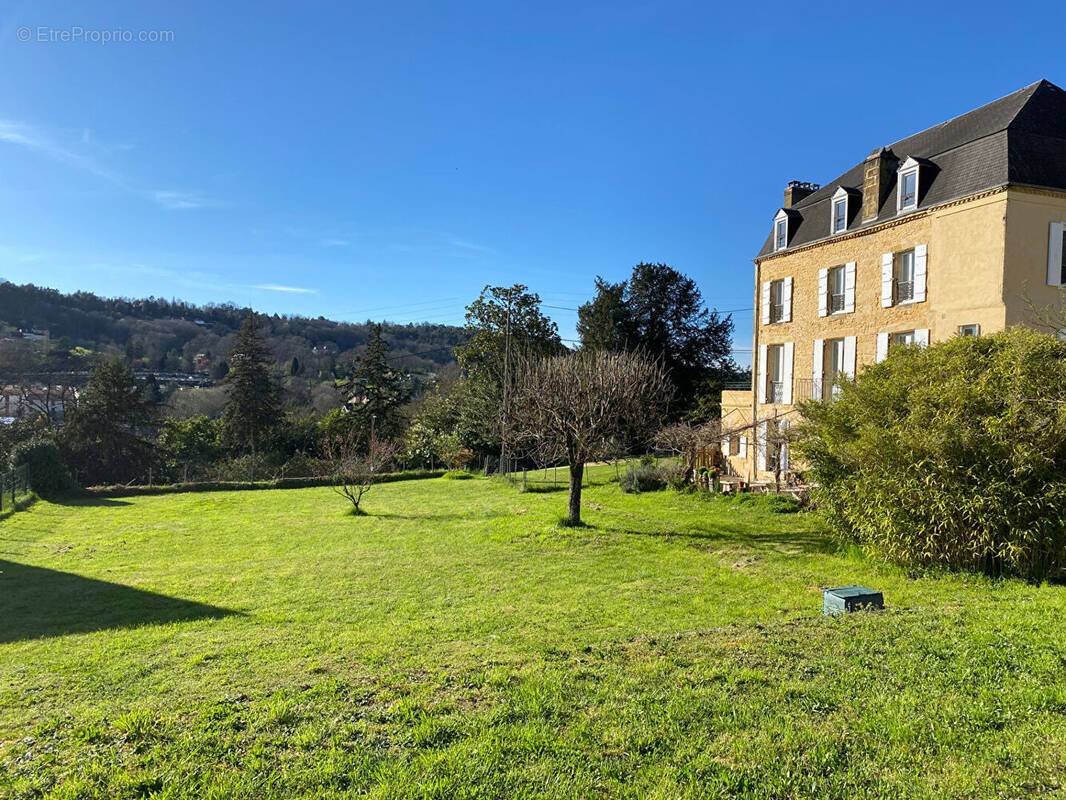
(786, 376)
(882, 347)
(786, 301)
(920, 258)
(823, 292)
(762, 373)
(921, 337)
(886, 280)
(817, 369)
(760, 442)
(849, 286)
(849, 356)
(725, 446)
(742, 450)
(1054, 254)
(766, 303)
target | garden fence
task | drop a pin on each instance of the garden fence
(14, 484)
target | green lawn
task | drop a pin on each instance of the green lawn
(460, 643)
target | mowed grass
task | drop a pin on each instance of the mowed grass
(459, 643)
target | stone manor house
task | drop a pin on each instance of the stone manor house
(944, 233)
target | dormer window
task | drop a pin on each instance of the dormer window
(840, 215)
(780, 230)
(839, 221)
(907, 185)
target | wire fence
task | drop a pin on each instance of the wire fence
(14, 486)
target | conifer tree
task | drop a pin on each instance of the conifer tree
(253, 401)
(376, 391)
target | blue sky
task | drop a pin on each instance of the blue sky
(388, 160)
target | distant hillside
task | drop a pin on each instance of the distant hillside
(174, 336)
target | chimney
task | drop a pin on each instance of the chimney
(876, 180)
(797, 190)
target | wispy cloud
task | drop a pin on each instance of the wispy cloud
(171, 198)
(334, 242)
(31, 138)
(26, 136)
(273, 287)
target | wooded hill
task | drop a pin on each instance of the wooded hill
(175, 336)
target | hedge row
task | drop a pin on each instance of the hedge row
(120, 490)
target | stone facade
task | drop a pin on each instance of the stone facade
(985, 255)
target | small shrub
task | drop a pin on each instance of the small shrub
(647, 460)
(641, 479)
(456, 475)
(47, 471)
(676, 476)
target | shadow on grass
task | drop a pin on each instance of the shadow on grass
(36, 602)
(531, 489)
(751, 536)
(450, 516)
(87, 501)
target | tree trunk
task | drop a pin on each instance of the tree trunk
(573, 515)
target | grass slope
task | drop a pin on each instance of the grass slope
(459, 643)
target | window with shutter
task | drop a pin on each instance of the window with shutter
(837, 290)
(777, 301)
(904, 289)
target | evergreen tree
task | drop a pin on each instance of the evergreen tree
(253, 400)
(375, 390)
(105, 438)
(605, 322)
(660, 311)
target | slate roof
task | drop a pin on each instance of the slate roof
(1019, 139)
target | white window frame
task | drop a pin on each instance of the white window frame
(780, 219)
(897, 259)
(840, 196)
(970, 329)
(908, 168)
(842, 271)
(777, 288)
(776, 368)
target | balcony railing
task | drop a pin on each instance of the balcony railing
(777, 312)
(904, 291)
(836, 303)
(810, 389)
(776, 391)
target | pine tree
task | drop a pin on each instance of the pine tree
(106, 437)
(253, 401)
(376, 391)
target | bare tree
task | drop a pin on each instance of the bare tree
(1048, 318)
(579, 406)
(355, 465)
(687, 441)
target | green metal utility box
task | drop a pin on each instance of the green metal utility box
(845, 599)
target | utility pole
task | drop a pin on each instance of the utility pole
(506, 384)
